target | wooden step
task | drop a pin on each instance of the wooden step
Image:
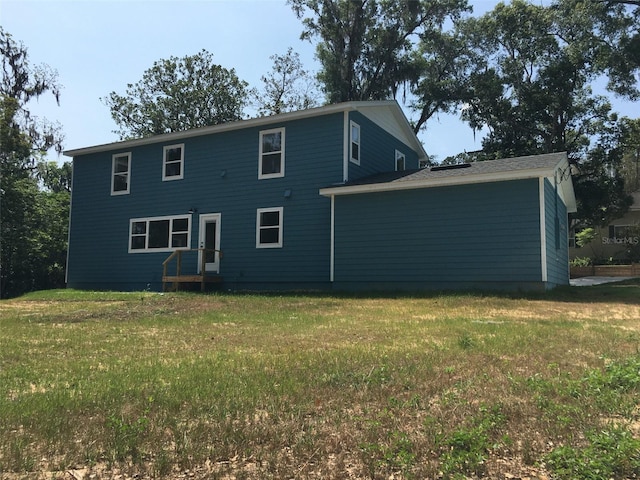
(176, 280)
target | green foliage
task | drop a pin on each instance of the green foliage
(34, 196)
(585, 236)
(366, 48)
(178, 94)
(581, 262)
(287, 88)
(612, 452)
(467, 449)
(127, 434)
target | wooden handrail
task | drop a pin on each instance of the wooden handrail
(178, 254)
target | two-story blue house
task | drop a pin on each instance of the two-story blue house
(330, 197)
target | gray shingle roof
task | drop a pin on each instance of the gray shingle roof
(490, 167)
(551, 165)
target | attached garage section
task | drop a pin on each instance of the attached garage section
(412, 234)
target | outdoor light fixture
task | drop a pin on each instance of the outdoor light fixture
(193, 210)
(287, 193)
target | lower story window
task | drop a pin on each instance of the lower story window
(269, 227)
(158, 234)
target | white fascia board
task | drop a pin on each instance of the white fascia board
(436, 182)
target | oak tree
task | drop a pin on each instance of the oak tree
(178, 94)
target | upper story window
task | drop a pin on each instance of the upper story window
(157, 234)
(271, 161)
(173, 162)
(400, 161)
(354, 154)
(269, 227)
(120, 173)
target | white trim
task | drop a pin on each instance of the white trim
(114, 173)
(543, 231)
(436, 182)
(204, 218)
(165, 149)
(353, 124)
(146, 248)
(332, 249)
(259, 211)
(345, 148)
(281, 131)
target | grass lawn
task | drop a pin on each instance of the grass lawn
(324, 386)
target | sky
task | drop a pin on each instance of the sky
(100, 46)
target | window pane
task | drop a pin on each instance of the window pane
(355, 151)
(272, 142)
(271, 163)
(269, 235)
(173, 154)
(120, 182)
(159, 234)
(179, 240)
(269, 219)
(180, 225)
(137, 243)
(139, 228)
(172, 169)
(121, 164)
(355, 133)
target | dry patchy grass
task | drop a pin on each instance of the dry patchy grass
(309, 386)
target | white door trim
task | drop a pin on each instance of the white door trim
(204, 219)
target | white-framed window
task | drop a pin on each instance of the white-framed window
(159, 234)
(354, 150)
(120, 173)
(400, 161)
(173, 162)
(269, 227)
(271, 158)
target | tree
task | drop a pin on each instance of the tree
(530, 88)
(366, 46)
(630, 140)
(33, 222)
(178, 94)
(288, 87)
(610, 31)
(443, 61)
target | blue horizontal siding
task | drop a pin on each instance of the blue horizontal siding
(220, 176)
(444, 236)
(378, 150)
(557, 244)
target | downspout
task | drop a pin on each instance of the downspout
(345, 148)
(332, 248)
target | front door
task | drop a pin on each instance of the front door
(209, 240)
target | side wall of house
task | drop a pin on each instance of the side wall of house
(220, 176)
(470, 236)
(557, 244)
(378, 150)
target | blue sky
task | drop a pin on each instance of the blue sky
(98, 46)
